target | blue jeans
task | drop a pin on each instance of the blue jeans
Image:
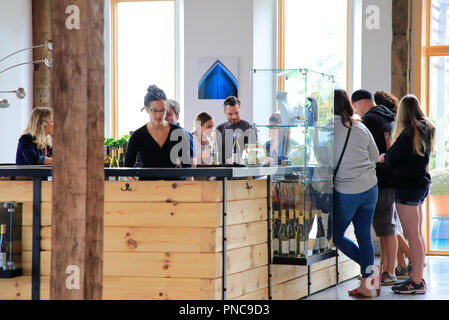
(359, 209)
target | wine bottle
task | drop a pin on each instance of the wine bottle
(292, 235)
(325, 230)
(236, 151)
(321, 238)
(283, 236)
(3, 246)
(121, 157)
(214, 149)
(302, 241)
(114, 163)
(276, 222)
(107, 158)
(276, 233)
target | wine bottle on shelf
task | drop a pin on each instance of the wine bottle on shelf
(276, 222)
(121, 157)
(325, 230)
(3, 247)
(276, 226)
(283, 236)
(107, 156)
(114, 163)
(322, 238)
(302, 241)
(292, 235)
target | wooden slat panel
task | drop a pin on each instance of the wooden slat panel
(173, 265)
(162, 214)
(244, 235)
(256, 295)
(27, 214)
(247, 258)
(348, 270)
(243, 211)
(18, 191)
(158, 191)
(290, 290)
(20, 288)
(238, 190)
(246, 282)
(282, 273)
(323, 264)
(323, 279)
(45, 263)
(133, 288)
(133, 239)
(27, 236)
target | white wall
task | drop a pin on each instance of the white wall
(15, 34)
(217, 28)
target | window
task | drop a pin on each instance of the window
(143, 54)
(437, 88)
(314, 36)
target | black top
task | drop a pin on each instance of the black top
(409, 170)
(153, 156)
(380, 122)
(249, 136)
(28, 153)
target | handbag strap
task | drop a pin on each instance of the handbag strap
(342, 153)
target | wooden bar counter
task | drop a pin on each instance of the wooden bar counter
(164, 239)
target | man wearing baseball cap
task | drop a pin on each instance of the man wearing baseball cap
(380, 122)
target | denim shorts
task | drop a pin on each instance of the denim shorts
(411, 197)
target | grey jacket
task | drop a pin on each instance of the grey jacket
(357, 172)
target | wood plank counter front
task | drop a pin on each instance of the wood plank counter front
(163, 240)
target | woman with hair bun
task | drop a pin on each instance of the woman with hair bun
(203, 125)
(35, 147)
(160, 143)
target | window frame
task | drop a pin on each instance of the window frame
(422, 52)
(114, 61)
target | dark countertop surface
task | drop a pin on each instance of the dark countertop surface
(219, 172)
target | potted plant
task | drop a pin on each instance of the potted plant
(439, 191)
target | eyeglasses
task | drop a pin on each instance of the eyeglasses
(158, 111)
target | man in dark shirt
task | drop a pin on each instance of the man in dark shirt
(380, 122)
(234, 127)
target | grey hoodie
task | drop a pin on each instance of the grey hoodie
(357, 172)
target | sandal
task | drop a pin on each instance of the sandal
(356, 293)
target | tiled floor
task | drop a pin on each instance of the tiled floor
(436, 275)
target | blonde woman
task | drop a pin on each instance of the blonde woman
(408, 157)
(34, 147)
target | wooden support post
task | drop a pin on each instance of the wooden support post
(41, 34)
(401, 48)
(78, 173)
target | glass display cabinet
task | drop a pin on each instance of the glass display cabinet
(294, 125)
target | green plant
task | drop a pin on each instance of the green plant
(440, 181)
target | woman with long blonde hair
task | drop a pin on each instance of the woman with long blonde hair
(408, 158)
(35, 146)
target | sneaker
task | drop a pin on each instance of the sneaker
(401, 272)
(388, 280)
(409, 287)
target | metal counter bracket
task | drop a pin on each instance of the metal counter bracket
(36, 258)
(225, 209)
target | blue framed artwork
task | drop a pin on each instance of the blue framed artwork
(218, 77)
